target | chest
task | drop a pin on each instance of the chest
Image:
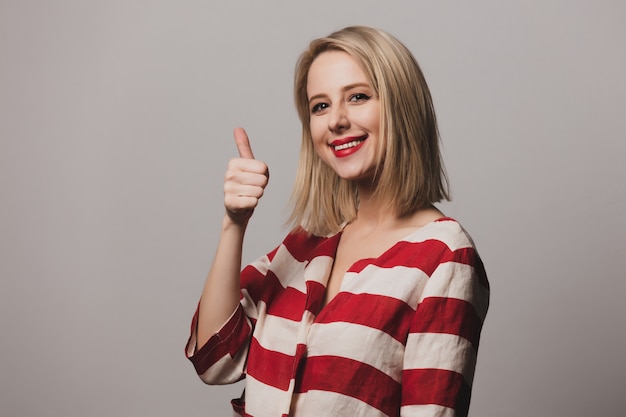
(352, 249)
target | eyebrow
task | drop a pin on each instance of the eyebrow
(345, 88)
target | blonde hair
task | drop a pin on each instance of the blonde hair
(411, 175)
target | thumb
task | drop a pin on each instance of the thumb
(243, 144)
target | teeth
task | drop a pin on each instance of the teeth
(347, 145)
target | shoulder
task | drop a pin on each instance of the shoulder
(305, 246)
(447, 231)
(441, 242)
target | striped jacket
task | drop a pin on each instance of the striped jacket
(399, 339)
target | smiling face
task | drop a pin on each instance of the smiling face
(344, 116)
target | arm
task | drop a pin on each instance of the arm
(244, 183)
(222, 359)
(442, 345)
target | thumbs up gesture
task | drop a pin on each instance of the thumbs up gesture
(244, 182)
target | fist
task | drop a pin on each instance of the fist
(244, 182)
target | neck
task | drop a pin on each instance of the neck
(373, 211)
(375, 214)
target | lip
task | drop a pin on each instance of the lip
(347, 146)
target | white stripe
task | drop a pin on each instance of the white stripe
(318, 269)
(276, 333)
(266, 401)
(323, 404)
(307, 320)
(456, 280)
(399, 282)
(261, 264)
(290, 271)
(249, 308)
(226, 370)
(427, 410)
(354, 341)
(448, 232)
(441, 351)
(191, 345)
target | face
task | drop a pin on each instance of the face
(345, 116)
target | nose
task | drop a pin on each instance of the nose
(338, 118)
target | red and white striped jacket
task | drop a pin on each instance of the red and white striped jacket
(399, 339)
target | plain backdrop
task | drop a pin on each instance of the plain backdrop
(116, 122)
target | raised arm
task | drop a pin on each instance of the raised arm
(244, 183)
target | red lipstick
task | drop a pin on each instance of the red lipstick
(347, 146)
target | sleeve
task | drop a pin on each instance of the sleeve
(441, 349)
(222, 359)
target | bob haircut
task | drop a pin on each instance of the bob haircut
(410, 173)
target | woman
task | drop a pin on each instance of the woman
(374, 303)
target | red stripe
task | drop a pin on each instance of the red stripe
(435, 386)
(446, 219)
(305, 247)
(351, 378)
(315, 295)
(285, 302)
(448, 315)
(479, 270)
(426, 256)
(270, 367)
(288, 303)
(255, 282)
(194, 325)
(387, 314)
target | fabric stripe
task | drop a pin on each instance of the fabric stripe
(422, 255)
(261, 265)
(436, 386)
(255, 276)
(386, 314)
(226, 370)
(282, 338)
(287, 303)
(427, 410)
(230, 337)
(270, 367)
(441, 351)
(250, 308)
(353, 379)
(304, 247)
(338, 339)
(315, 296)
(454, 280)
(269, 289)
(398, 282)
(318, 270)
(331, 404)
(446, 230)
(288, 269)
(448, 315)
(268, 401)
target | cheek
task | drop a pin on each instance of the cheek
(317, 131)
(371, 119)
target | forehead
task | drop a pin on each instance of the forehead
(334, 70)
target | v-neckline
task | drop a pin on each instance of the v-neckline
(369, 260)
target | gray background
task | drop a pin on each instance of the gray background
(116, 126)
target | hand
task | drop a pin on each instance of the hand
(244, 182)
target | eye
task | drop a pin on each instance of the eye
(359, 97)
(319, 107)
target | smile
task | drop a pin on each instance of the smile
(347, 146)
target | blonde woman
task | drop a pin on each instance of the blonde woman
(374, 302)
